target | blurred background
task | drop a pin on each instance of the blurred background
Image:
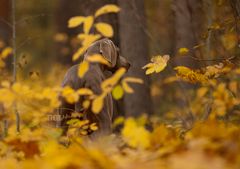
(208, 29)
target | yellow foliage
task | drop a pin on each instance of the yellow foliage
(212, 142)
(125, 85)
(88, 24)
(83, 68)
(117, 92)
(97, 103)
(110, 8)
(183, 51)
(87, 40)
(3, 55)
(105, 29)
(70, 95)
(76, 21)
(98, 59)
(158, 64)
(190, 75)
(135, 135)
(84, 91)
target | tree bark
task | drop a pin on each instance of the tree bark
(134, 47)
(236, 7)
(5, 29)
(187, 24)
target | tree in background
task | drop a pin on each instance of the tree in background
(79, 8)
(5, 29)
(134, 46)
(236, 6)
(188, 23)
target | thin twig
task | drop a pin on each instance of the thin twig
(6, 22)
(15, 59)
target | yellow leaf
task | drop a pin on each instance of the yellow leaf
(86, 104)
(133, 80)
(5, 84)
(88, 24)
(150, 71)
(79, 52)
(189, 75)
(6, 52)
(126, 87)
(183, 51)
(97, 104)
(83, 68)
(85, 91)
(158, 64)
(2, 63)
(202, 92)
(117, 92)
(61, 37)
(75, 21)
(118, 121)
(87, 40)
(70, 95)
(107, 9)
(112, 81)
(105, 29)
(98, 58)
(93, 127)
(135, 135)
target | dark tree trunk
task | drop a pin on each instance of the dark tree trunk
(66, 10)
(134, 47)
(188, 15)
(5, 29)
(236, 6)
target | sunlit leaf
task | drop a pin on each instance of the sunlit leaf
(79, 52)
(105, 29)
(93, 127)
(84, 91)
(135, 135)
(109, 83)
(88, 39)
(86, 104)
(97, 58)
(117, 92)
(158, 64)
(76, 21)
(183, 51)
(70, 95)
(107, 9)
(133, 80)
(83, 68)
(127, 80)
(88, 24)
(6, 52)
(190, 75)
(126, 87)
(97, 104)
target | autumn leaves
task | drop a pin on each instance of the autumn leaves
(104, 29)
(116, 85)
